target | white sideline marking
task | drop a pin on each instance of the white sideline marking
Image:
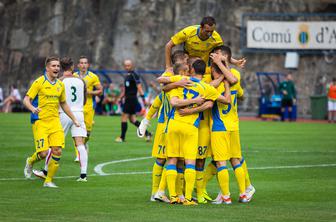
(100, 172)
(99, 167)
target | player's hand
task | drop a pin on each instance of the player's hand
(76, 123)
(216, 58)
(184, 111)
(36, 110)
(241, 63)
(199, 100)
(184, 83)
(284, 92)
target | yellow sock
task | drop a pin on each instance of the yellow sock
(52, 167)
(199, 181)
(34, 158)
(156, 176)
(171, 179)
(223, 180)
(154, 107)
(209, 173)
(240, 176)
(163, 181)
(190, 177)
(247, 176)
(179, 182)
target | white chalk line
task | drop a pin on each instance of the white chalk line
(100, 172)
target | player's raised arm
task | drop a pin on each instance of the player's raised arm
(168, 50)
(226, 99)
(217, 59)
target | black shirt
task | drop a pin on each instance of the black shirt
(131, 81)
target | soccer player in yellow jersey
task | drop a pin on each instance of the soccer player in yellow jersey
(93, 88)
(182, 133)
(198, 40)
(43, 99)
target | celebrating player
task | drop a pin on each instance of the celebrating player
(43, 100)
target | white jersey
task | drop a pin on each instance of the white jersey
(74, 91)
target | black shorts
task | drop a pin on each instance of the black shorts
(130, 105)
(286, 103)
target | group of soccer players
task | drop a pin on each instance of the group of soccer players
(58, 105)
(197, 118)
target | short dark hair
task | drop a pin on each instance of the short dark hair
(199, 66)
(66, 63)
(50, 59)
(83, 57)
(208, 20)
(216, 68)
(178, 54)
(224, 49)
(178, 67)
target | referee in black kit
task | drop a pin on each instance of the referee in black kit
(132, 85)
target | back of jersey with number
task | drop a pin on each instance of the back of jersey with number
(74, 90)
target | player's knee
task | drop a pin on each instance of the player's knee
(234, 161)
(200, 163)
(161, 161)
(56, 151)
(43, 154)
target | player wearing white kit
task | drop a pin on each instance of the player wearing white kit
(75, 91)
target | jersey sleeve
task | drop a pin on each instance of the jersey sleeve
(181, 36)
(34, 89)
(62, 97)
(211, 93)
(240, 90)
(175, 78)
(218, 39)
(207, 78)
(96, 81)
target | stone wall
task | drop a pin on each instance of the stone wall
(109, 30)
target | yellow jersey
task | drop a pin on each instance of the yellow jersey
(224, 117)
(165, 105)
(194, 45)
(46, 95)
(91, 80)
(199, 88)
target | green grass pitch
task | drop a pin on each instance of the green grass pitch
(292, 166)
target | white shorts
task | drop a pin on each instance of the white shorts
(68, 124)
(331, 105)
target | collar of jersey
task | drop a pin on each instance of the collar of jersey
(197, 33)
(46, 79)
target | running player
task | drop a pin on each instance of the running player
(93, 88)
(43, 100)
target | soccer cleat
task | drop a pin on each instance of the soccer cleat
(187, 202)
(119, 140)
(142, 127)
(28, 169)
(40, 173)
(222, 200)
(76, 159)
(219, 197)
(161, 197)
(50, 185)
(206, 196)
(201, 200)
(181, 197)
(152, 199)
(149, 137)
(243, 198)
(82, 179)
(175, 200)
(250, 190)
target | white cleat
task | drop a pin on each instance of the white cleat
(40, 174)
(223, 200)
(218, 198)
(28, 169)
(152, 199)
(243, 198)
(142, 127)
(161, 197)
(250, 190)
(82, 179)
(76, 159)
(50, 185)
